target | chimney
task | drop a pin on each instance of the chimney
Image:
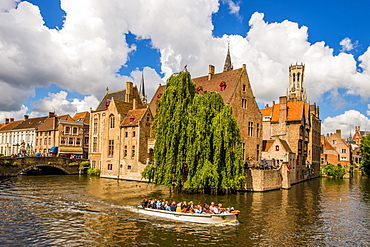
(51, 114)
(283, 109)
(134, 104)
(128, 96)
(11, 120)
(211, 71)
(267, 105)
(244, 66)
(25, 117)
(339, 133)
(6, 120)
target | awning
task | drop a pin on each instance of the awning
(54, 150)
(70, 150)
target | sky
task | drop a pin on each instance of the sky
(61, 55)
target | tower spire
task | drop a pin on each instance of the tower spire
(228, 65)
(142, 88)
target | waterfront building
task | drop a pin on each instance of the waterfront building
(297, 123)
(63, 135)
(336, 150)
(8, 137)
(120, 130)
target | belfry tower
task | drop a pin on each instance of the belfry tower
(296, 90)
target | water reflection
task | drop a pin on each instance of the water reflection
(80, 211)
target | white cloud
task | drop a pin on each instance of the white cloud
(346, 122)
(58, 103)
(347, 44)
(85, 54)
(17, 115)
(234, 7)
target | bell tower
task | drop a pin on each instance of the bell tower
(296, 91)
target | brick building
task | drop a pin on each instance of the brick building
(119, 133)
(336, 150)
(296, 122)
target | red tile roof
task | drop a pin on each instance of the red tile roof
(133, 117)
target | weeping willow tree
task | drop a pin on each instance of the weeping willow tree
(198, 143)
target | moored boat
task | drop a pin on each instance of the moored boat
(224, 218)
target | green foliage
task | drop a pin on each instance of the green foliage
(334, 171)
(14, 164)
(93, 172)
(5, 163)
(74, 164)
(85, 163)
(198, 145)
(1, 155)
(365, 152)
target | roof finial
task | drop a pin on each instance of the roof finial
(228, 65)
(107, 89)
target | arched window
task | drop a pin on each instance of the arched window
(298, 76)
(111, 121)
(74, 130)
(67, 130)
(293, 77)
(277, 148)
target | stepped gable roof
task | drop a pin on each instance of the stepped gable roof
(82, 117)
(266, 112)
(31, 123)
(296, 110)
(11, 125)
(66, 117)
(118, 95)
(137, 115)
(153, 102)
(231, 78)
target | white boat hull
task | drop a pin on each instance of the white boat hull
(226, 218)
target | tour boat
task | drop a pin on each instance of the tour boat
(224, 218)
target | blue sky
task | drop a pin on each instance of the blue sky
(61, 55)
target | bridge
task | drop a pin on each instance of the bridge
(11, 167)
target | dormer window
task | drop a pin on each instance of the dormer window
(132, 119)
(277, 148)
(222, 86)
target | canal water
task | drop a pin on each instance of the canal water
(89, 211)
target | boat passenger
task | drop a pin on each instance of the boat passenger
(206, 209)
(216, 209)
(144, 203)
(212, 207)
(159, 204)
(198, 209)
(220, 209)
(173, 206)
(167, 206)
(178, 208)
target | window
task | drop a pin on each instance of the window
(250, 128)
(133, 134)
(343, 158)
(125, 151)
(344, 151)
(37, 142)
(75, 131)
(110, 166)
(95, 144)
(128, 167)
(258, 130)
(293, 77)
(86, 141)
(133, 151)
(298, 75)
(126, 134)
(45, 141)
(244, 103)
(78, 142)
(49, 141)
(95, 124)
(93, 164)
(49, 133)
(67, 130)
(111, 121)
(334, 142)
(244, 87)
(63, 141)
(71, 141)
(277, 148)
(111, 148)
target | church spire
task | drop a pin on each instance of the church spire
(142, 89)
(228, 65)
